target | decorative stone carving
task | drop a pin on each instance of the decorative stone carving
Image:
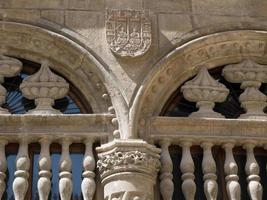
(231, 169)
(128, 32)
(123, 163)
(204, 90)
(3, 167)
(44, 87)
(166, 183)
(88, 184)
(187, 168)
(44, 182)
(65, 176)
(251, 75)
(9, 67)
(255, 189)
(20, 184)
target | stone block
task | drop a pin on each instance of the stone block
(124, 4)
(230, 7)
(84, 22)
(20, 14)
(56, 16)
(42, 4)
(228, 22)
(53, 4)
(86, 4)
(172, 27)
(167, 5)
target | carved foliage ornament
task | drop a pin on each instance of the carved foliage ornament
(128, 32)
(132, 159)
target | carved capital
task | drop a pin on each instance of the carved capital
(122, 163)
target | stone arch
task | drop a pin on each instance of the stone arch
(72, 60)
(182, 63)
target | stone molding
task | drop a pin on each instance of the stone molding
(183, 62)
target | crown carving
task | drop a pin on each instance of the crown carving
(44, 87)
(205, 91)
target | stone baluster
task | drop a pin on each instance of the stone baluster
(205, 91)
(166, 183)
(44, 183)
(44, 87)
(65, 176)
(209, 171)
(187, 168)
(9, 67)
(252, 171)
(20, 184)
(231, 169)
(88, 184)
(251, 75)
(3, 167)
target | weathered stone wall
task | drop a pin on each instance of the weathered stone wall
(174, 21)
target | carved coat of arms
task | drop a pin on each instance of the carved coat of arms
(128, 32)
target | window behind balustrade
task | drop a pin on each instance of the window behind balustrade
(178, 106)
(17, 104)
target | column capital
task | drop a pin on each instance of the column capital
(125, 163)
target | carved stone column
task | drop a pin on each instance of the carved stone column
(128, 169)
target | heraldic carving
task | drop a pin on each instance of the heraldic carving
(128, 32)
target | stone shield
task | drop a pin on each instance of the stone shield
(128, 32)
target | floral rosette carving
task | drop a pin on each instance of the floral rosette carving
(9, 67)
(44, 87)
(205, 91)
(127, 161)
(251, 75)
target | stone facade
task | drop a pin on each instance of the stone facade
(126, 65)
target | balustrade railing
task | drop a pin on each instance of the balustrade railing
(210, 183)
(22, 173)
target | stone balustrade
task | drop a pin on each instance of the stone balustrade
(23, 162)
(210, 186)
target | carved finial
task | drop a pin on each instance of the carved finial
(44, 87)
(9, 67)
(251, 75)
(204, 90)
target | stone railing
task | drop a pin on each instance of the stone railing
(187, 168)
(61, 129)
(22, 173)
(208, 133)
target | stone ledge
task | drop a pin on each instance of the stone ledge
(199, 130)
(78, 126)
